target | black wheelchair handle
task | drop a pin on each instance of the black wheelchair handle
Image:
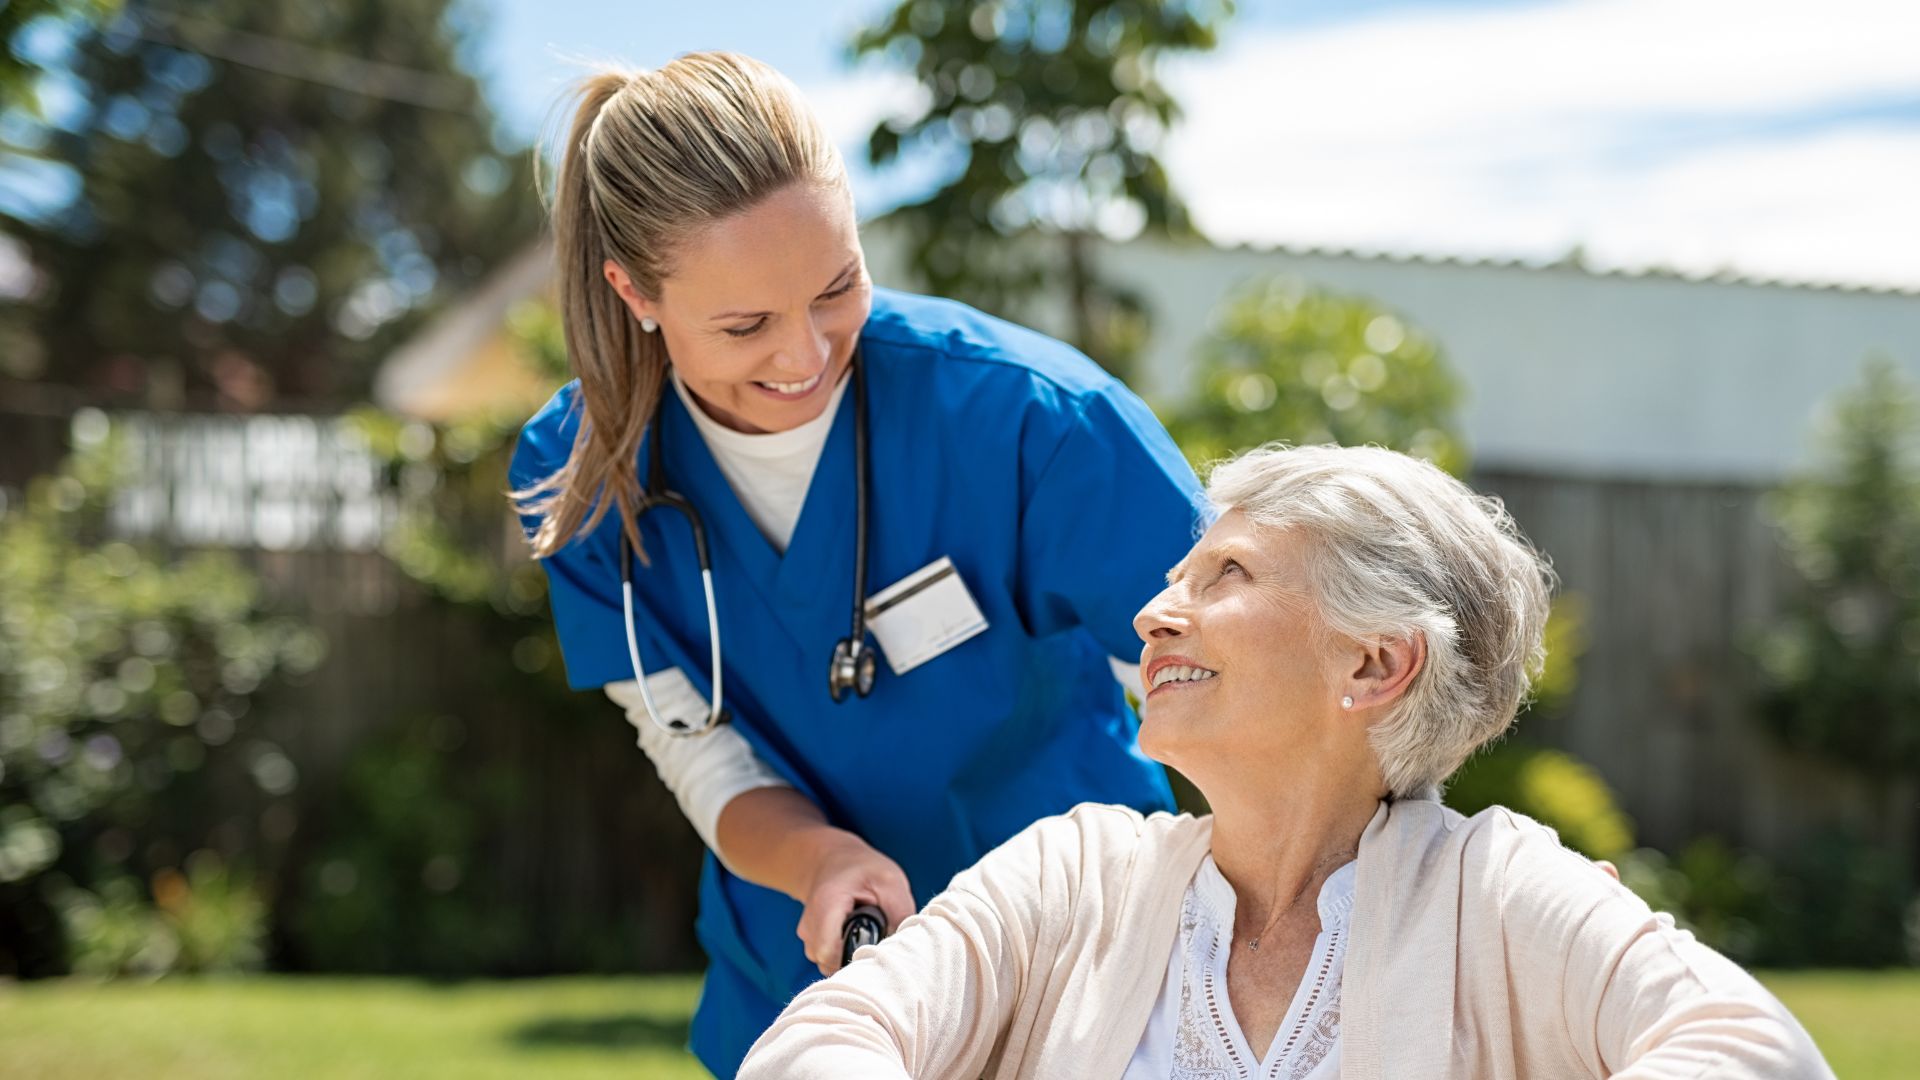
(865, 925)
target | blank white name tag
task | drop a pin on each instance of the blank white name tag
(923, 615)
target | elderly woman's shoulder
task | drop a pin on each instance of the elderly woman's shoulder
(1517, 859)
(1093, 826)
(1124, 823)
(1093, 840)
(1514, 834)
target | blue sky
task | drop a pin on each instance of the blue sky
(522, 55)
(1775, 138)
(1772, 138)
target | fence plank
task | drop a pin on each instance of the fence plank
(1676, 577)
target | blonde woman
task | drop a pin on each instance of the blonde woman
(857, 564)
(1352, 627)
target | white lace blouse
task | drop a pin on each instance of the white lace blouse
(1192, 1033)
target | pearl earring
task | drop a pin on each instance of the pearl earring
(647, 324)
(1346, 702)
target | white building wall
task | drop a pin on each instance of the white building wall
(1570, 371)
(1567, 371)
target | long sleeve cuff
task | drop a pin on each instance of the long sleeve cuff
(705, 772)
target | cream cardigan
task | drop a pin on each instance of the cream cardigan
(1481, 948)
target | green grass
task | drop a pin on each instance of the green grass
(565, 1028)
(331, 1027)
(1867, 1023)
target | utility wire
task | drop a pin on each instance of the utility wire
(278, 56)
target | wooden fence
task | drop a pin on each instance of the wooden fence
(1676, 579)
(596, 841)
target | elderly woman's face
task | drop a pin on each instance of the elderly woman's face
(1230, 666)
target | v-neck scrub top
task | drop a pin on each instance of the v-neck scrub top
(1062, 503)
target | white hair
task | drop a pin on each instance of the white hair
(1395, 548)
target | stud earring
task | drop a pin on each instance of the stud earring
(647, 324)
(1346, 702)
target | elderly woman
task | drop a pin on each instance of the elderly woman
(1352, 627)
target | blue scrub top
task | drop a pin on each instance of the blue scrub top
(1061, 501)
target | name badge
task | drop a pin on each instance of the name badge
(923, 615)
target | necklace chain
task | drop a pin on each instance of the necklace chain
(1254, 942)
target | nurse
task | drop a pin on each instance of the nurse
(993, 505)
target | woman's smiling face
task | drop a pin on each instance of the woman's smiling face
(1233, 663)
(761, 310)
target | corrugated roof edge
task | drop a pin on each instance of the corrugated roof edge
(1661, 273)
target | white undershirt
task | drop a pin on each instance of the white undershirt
(770, 474)
(1192, 1033)
(705, 772)
(769, 471)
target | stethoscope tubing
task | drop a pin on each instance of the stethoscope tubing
(633, 651)
(673, 501)
(656, 496)
(863, 477)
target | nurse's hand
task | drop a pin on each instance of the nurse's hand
(850, 873)
(773, 836)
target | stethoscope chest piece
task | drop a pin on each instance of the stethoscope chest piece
(853, 669)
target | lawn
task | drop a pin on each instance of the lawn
(331, 1027)
(564, 1028)
(1867, 1023)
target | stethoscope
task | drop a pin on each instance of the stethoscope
(853, 666)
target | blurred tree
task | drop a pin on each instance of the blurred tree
(127, 737)
(1294, 362)
(1052, 113)
(244, 202)
(1841, 668)
(20, 66)
(1550, 786)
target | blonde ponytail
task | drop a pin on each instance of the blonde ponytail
(650, 157)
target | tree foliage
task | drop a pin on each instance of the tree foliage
(263, 197)
(1842, 667)
(127, 733)
(1294, 362)
(1052, 113)
(20, 68)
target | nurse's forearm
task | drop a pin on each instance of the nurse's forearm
(777, 838)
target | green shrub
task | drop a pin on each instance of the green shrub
(1551, 787)
(395, 883)
(1724, 896)
(1842, 900)
(215, 912)
(209, 920)
(1838, 901)
(1841, 668)
(1291, 361)
(114, 931)
(127, 726)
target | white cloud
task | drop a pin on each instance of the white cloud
(1670, 132)
(851, 106)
